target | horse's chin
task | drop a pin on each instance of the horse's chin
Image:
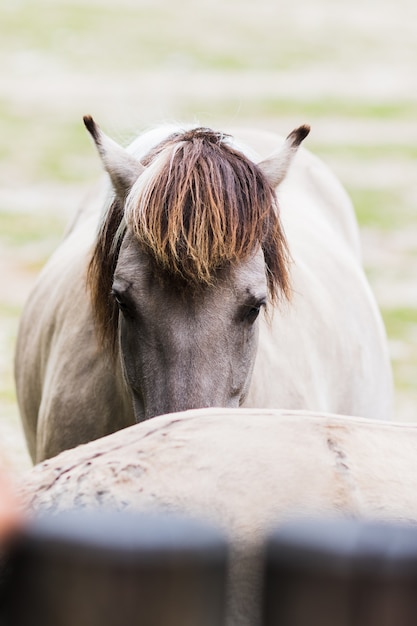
(141, 414)
(138, 409)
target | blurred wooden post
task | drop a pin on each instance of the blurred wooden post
(108, 569)
(341, 573)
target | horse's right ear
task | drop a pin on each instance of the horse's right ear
(276, 166)
(123, 168)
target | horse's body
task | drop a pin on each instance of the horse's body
(247, 471)
(323, 350)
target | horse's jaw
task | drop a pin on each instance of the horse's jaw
(143, 413)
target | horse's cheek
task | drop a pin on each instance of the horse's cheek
(245, 349)
(129, 355)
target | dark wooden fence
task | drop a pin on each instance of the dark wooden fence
(125, 569)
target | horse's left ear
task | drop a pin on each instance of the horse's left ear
(275, 167)
(123, 168)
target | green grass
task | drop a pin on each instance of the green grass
(401, 326)
(68, 154)
(8, 394)
(92, 37)
(310, 109)
(367, 151)
(404, 372)
(59, 150)
(9, 310)
(401, 323)
(332, 107)
(380, 209)
(18, 229)
(111, 36)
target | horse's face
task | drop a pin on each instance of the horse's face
(183, 349)
(195, 204)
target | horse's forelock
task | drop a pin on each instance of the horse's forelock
(201, 204)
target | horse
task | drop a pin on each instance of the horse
(246, 471)
(210, 270)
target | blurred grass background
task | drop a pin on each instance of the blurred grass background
(348, 69)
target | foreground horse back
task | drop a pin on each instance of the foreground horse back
(183, 256)
(244, 470)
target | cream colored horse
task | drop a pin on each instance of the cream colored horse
(185, 249)
(245, 470)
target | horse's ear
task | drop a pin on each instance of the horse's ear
(275, 167)
(123, 168)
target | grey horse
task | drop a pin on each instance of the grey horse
(206, 272)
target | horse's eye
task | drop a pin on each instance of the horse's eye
(252, 311)
(252, 314)
(121, 302)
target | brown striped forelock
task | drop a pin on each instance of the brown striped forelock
(199, 206)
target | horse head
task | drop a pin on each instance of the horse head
(189, 253)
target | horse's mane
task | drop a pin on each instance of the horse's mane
(199, 205)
